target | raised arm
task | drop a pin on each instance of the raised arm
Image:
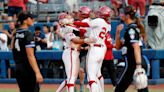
(81, 24)
(118, 40)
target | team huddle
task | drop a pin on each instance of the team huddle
(94, 33)
(86, 31)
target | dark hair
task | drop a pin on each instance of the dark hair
(23, 16)
(129, 10)
(37, 28)
(48, 27)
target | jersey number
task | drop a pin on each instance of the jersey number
(102, 33)
(17, 45)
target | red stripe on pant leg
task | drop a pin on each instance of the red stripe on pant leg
(64, 85)
(71, 66)
(100, 77)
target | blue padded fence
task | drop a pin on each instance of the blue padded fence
(153, 55)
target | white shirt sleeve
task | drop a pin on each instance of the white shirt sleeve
(4, 37)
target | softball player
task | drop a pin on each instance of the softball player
(100, 27)
(27, 72)
(71, 53)
(84, 16)
(133, 54)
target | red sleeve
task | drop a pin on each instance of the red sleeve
(81, 24)
(109, 45)
(25, 1)
(82, 32)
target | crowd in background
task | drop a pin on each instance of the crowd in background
(45, 37)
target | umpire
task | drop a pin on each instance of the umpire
(27, 72)
(133, 54)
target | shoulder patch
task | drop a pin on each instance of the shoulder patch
(132, 33)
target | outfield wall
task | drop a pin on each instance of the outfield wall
(153, 56)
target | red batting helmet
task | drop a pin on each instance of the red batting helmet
(62, 16)
(85, 11)
(105, 11)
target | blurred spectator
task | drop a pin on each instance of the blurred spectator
(1, 5)
(117, 4)
(16, 6)
(48, 36)
(4, 47)
(40, 39)
(72, 5)
(141, 4)
(48, 19)
(3, 42)
(9, 32)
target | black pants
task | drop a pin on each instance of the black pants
(127, 77)
(26, 80)
(109, 65)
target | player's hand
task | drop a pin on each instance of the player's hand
(39, 78)
(38, 38)
(90, 40)
(119, 28)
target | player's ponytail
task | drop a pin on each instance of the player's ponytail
(142, 29)
(129, 10)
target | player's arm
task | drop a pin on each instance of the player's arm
(33, 63)
(81, 24)
(118, 39)
(77, 40)
(137, 54)
(30, 44)
(108, 42)
(134, 40)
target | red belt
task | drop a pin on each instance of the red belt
(72, 49)
(97, 45)
(75, 49)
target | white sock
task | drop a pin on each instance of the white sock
(101, 80)
(61, 87)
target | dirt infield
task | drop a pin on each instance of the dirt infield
(53, 87)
